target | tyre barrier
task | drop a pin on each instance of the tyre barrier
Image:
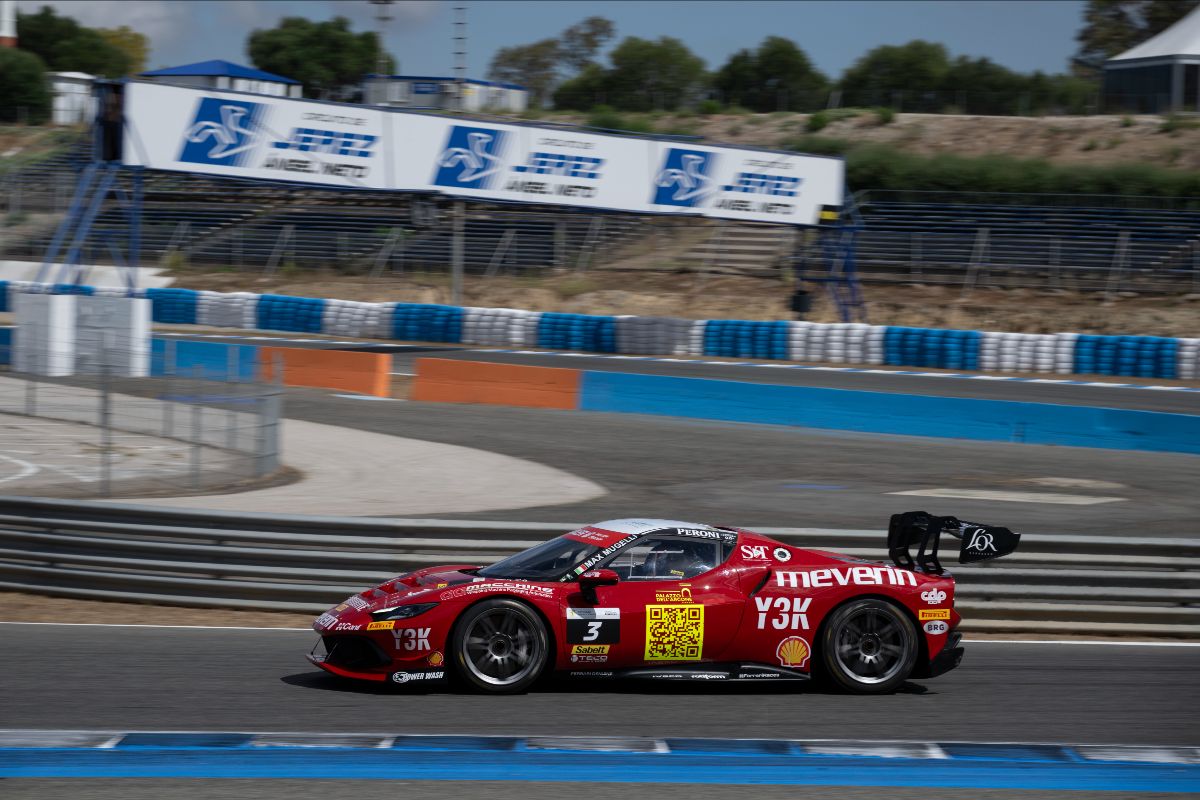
(1091, 585)
(834, 343)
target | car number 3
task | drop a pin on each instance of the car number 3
(593, 632)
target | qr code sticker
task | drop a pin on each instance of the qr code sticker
(674, 633)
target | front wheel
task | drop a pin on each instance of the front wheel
(869, 646)
(500, 646)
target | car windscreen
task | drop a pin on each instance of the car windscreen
(547, 561)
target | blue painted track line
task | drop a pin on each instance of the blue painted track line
(520, 765)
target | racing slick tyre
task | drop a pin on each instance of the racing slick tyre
(868, 646)
(500, 646)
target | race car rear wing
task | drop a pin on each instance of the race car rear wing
(979, 542)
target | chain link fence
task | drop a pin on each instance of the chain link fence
(181, 429)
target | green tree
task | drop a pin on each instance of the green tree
(134, 45)
(979, 86)
(534, 66)
(583, 92)
(328, 58)
(24, 95)
(776, 77)
(648, 75)
(918, 69)
(1112, 26)
(579, 44)
(66, 46)
(737, 80)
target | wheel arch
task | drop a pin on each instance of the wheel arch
(551, 639)
(819, 633)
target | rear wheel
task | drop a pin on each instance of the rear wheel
(500, 646)
(869, 646)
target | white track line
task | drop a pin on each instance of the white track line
(1014, 497)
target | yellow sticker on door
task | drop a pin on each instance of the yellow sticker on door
(674, 633)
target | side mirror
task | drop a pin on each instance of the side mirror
(591, 579)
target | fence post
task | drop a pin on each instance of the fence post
(456, 265)
(105, 427)
(169, 375)
(196, 446)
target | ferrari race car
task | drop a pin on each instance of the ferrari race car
(668, 600)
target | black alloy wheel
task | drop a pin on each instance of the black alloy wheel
(869, 646)
(500, 646)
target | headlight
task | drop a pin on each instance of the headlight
(401, 612)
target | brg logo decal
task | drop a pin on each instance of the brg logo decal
(223, 132)
(685, 178)
(471, 158)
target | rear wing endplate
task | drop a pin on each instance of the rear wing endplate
(979, 542)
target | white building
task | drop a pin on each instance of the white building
(8, 23)
(1159, 75)
(217, 74)
(421, 91)
(73, 100)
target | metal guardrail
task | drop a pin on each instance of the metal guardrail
(103, 551)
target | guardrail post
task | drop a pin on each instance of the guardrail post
(196, 456)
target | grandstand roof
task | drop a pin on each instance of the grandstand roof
(1181, 39)
(217, 67)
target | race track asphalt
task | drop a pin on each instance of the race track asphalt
(763, 475)
(126, 678)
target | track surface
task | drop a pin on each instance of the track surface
(762, 475)
(122, 678)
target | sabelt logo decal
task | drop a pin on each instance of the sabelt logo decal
(589, 649)
(933, 613)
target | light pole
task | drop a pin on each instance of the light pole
(383, 15)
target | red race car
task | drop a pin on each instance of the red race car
(645, 598)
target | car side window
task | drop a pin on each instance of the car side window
(665, 558)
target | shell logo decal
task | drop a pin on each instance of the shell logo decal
(792, 652)
(435, 659)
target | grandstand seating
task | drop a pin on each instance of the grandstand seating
(937, 239)
(1077, 242)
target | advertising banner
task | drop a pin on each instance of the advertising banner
(255, 136)
(520, 163)
(227, 133)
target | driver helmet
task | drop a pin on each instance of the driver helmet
(677, 559)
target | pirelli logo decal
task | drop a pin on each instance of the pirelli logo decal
(933, 613)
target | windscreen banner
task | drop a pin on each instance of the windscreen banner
(273, 138)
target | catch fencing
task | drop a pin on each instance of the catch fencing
(187, 427)
(103, 551)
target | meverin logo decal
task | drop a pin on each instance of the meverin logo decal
(471, 158)
(685, 178)
(222, 132)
